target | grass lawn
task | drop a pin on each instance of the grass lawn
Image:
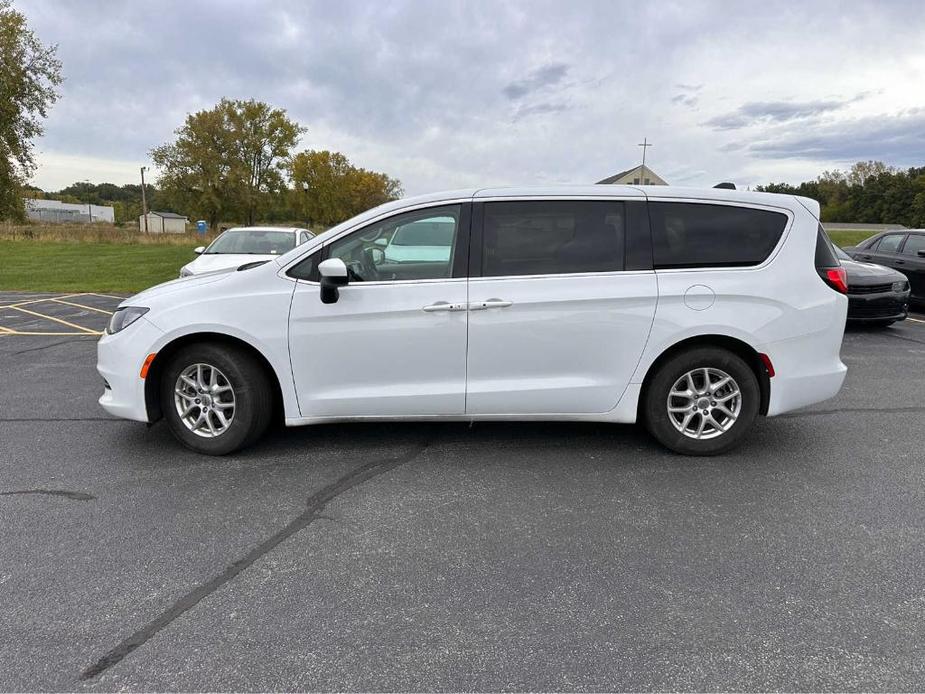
(847, 237)
(89, 267)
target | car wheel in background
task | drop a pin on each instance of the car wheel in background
(216, 398)
(701, 401)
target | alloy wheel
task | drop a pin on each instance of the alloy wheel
(704, 403)
(205, 400)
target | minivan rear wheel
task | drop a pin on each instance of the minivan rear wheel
(702, 401)
(216, 398)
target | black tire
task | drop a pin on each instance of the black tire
(253, 398)
(655, 404)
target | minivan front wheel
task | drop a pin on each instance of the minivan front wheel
(216, 398)
(702, 401)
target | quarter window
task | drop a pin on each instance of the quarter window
(552, 237)
(691, 235)
(412, 246)
(914, 244)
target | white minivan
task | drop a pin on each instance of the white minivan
(692, 311)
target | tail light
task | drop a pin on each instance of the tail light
(836, 278)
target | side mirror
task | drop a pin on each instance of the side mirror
(199, 250)
(333, 273)
(381, 242)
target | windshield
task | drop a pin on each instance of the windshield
(253, 242)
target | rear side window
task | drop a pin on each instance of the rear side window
(914, 244)
(546, 237)
(890, 243)
(825, 253)
(690, 235)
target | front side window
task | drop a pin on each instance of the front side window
(552, 237)
(411, 246)
(914, 244)
(252, 242)
(693, 235)
(889, 243)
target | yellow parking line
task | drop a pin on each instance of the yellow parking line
(90, 308)
(5, 330)
(15, 333)
(57, 320)
(105, 296)
(916, 320)
(27, 302)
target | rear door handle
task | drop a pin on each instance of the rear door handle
(489, 303)
(900, 262)
(443, 306)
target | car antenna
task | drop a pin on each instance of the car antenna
(726, 185)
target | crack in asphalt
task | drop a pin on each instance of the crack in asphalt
(850, 410)
(53, 344)
(76, 496)
(60, 419)
(314, 506)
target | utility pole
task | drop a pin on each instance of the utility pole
(144, 201)
(645, 144)
(89, 207)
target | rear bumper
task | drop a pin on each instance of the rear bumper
(808, 367)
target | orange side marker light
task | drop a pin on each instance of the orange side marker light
(147, 364)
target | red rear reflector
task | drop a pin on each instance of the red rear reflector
(837, 279)
(766, 360)
(147, 364)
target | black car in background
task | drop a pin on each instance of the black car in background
(901, 250)
(876, 294)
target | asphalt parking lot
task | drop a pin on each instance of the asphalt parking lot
(449, 557)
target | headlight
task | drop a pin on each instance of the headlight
(900, 286)
(124, 317)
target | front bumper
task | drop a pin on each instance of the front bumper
(119, 359)
(883, 306)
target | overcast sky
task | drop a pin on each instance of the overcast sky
(444, 94)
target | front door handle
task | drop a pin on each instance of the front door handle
(900, 262)
(489, 303)
(443, 306)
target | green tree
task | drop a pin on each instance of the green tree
(29, 76)
(327, 188)
(227, 161)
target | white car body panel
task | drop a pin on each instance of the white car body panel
(569, 347)
(375, 352)
(517, 365)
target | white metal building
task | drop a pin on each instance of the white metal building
(79, 213)
(164, 223)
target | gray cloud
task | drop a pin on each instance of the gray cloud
(545, 76)
(898, 139)
(758, 112)
(538, 109)
(684, 100)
